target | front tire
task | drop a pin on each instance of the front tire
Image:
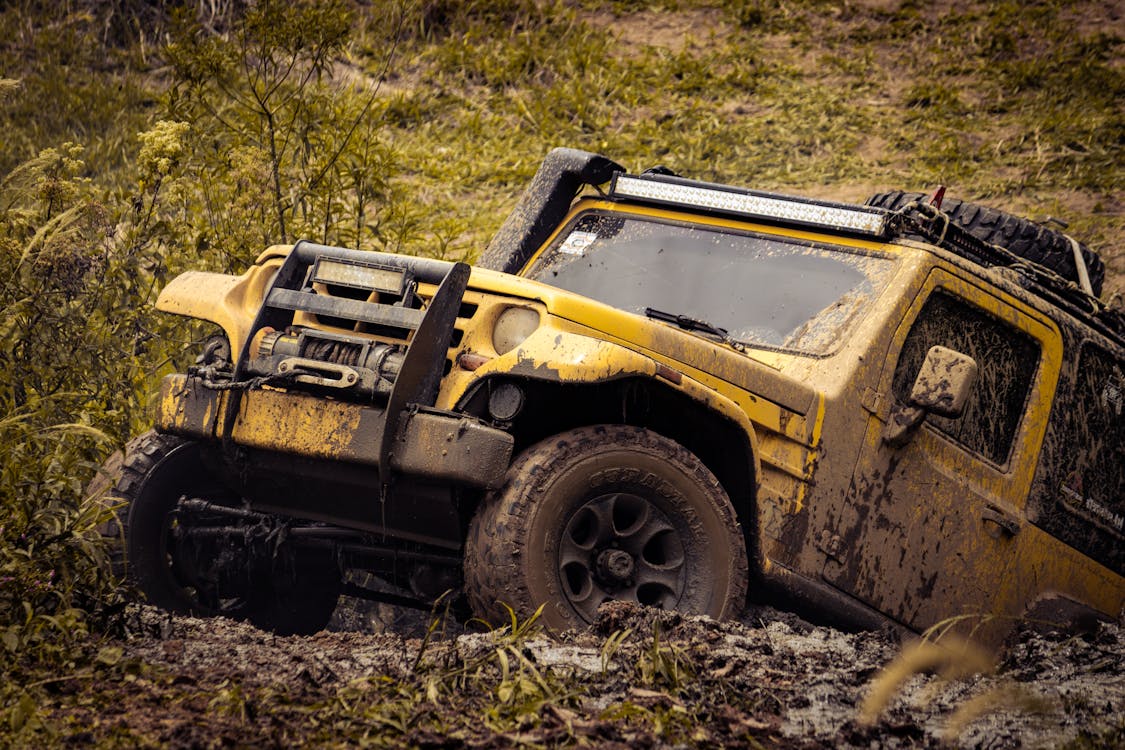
(203, 578)
(603, 513)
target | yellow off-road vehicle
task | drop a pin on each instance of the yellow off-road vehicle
(657, 390)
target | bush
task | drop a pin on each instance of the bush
(79, 343)
(275, 152)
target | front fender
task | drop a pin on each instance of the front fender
(570, 358)
(230, 302)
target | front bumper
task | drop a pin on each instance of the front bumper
(427, 443)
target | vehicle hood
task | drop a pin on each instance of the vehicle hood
(695, 354)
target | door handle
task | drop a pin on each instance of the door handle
(1000, 522)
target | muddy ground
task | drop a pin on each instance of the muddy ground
(637, 679)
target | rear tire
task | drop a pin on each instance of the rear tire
(161, 560)
(1019, 236)
(604, 513)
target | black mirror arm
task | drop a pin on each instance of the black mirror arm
(902, 423)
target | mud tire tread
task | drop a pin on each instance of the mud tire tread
(140, 456)
(496, 550)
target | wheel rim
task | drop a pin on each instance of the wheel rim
(621, 546)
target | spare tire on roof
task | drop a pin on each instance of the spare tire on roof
(1019, 236)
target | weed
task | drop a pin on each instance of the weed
(952, 659)
(230, 700)
(437, 622)
(664, 717)
(612, 645)
(664, 664)
(1005, 696)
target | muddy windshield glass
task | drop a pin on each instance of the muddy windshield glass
(765, 291)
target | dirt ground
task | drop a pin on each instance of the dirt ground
(637, 678)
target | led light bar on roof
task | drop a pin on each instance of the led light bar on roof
(752, 204)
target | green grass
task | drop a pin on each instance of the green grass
(1007, 103)
(416, 128)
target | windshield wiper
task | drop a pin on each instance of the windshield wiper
(692, 324)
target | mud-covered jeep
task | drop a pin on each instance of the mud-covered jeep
(656, 390)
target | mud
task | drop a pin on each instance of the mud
(637, 678)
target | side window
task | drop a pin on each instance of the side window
(1093, 469)
(1006, 358)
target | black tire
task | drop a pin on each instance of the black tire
(156, 472)
(1019, 236)
(583, 516)
(102, 489)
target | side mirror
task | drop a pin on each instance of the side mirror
(942, 387)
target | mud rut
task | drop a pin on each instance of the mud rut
(767, 680)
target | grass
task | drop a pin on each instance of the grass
(1012, 103)
(1015, 104)
(1006, 104)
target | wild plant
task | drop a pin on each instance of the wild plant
(286, 128)
(664, 663)
(950, 657)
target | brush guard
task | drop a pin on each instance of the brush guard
(334, 396)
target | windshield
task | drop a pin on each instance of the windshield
(765, 291)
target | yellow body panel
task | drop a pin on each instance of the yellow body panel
(810, 423)
(1013, 480)
(231, 302)
(944, 500)
(723, 369)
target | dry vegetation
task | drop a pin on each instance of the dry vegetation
(634, 679)
(144, 138)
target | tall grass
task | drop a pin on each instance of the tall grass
(411, 126)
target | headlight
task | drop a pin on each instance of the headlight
(513, 326)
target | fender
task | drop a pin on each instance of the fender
(228, 301)
(558, 356)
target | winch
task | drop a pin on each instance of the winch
(360, 366)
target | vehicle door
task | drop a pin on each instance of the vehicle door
(1079, 495)
(931, 521)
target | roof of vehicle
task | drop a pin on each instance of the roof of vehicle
(996, 265)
